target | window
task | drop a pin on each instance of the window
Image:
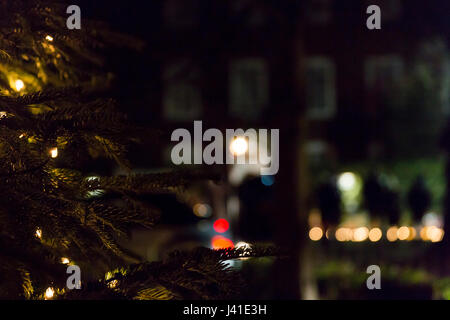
(320, 88)
(182, 99)
(249, 88)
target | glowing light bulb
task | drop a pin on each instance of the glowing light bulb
(65, 260)
(239, 146)
(315, 234)
(38, 233)
(375, 234)
(3, 114)
(49, 38)
(49, 293)
(19, 85)
(54, 152)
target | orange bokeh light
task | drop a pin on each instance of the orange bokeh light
(220, 242)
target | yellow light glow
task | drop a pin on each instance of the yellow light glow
(22, 135)
(315, 234)
(54, 152)
(19, 85)
(375, 234)
(112, 284)
(403, 233)
(3, 114)
(360, 234)
(391, 234)
(49, 293)
(65, 260)
(38, 233)
(239, 146)
(412, 234)
(346, 181)
(202, 210)
(344, 234)
(435, 234)
(49, 38)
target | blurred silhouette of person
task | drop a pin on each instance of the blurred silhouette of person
(329, 202)
(419, 198)
(381, 201)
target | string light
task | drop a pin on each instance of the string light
(391, 234)
(38, 233)
(360, 234)
(49, 293)
(54, 152)
(49, 38)
(19, 85)
(315, 234)
(65, 260)
(403, 233)
(375, 234)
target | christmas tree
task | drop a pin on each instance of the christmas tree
(55, 121)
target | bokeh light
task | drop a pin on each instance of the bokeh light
(360, 234)
(346, 181)
(375, 234)
(315, 234)
(403, 233)
(49, 293)
(221, 225)
(19, 85)
(391, 234)
(202, 210)
(220, 242)
(239, 146)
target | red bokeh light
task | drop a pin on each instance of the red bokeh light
(220, 242)
(221, 225)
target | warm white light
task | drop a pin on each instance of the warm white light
(202, 210)
(49, 38)
(344, 234)
(3, 114)
(54, 152)
(315, 234)
(391, 234)
(360, 234)
(19, 85)
(239, 146)
(375, 234)
(38, 233)
(403, 233)
(346, 181)
(435, 234)
(65, 260)
(49, 293)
